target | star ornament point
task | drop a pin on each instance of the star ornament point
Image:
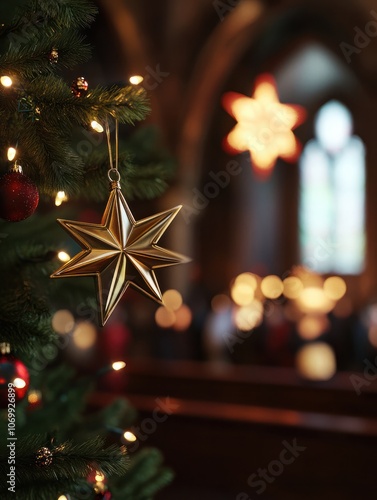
(120, 252)
(264, 125)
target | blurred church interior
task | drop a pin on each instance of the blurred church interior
(268, 337)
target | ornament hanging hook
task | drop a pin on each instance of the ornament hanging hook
(113, 174)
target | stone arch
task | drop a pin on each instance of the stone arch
(232, 38)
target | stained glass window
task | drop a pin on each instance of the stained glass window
(332, 195)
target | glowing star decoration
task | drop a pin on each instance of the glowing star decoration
(120, 252)
(264, 125)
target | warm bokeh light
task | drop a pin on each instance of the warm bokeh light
(172, 299)
(316, 361)
(293, 286)
(6, 81)
(249, 279)
(63, 497)
(183, 318)
(242, 293)
(135, 79)
(129, 436)
(11, 154)
(60, 197)
(220, 302)
(34, 396)
(314, 300)
(308, 277)
(84, 335)
(63, 321)
(97, 127)
(118, 365)
(264, 125)
(335, 287)
(164, 317)
(99, 477)
(311, 326)
(272, 287)
(248, 317)
(19, 383)
(63, 256)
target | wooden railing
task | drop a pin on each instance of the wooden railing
(224, 424)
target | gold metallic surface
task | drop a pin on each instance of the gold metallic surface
(120, 252)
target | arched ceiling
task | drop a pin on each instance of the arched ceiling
(196, 45)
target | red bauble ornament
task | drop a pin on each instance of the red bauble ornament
(12, 371)
(79, 87)
(19, 195)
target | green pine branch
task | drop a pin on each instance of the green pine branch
(64, 14)
(144, 165)
(49, 160)
(25, 317)
(25, 321)
(63, 414)
(44, 134)
(49, 93)
(38, 26)
(27, 61)
(51, 489)
(141, 480)
(40, 111)
(69, 461)
(63, 403)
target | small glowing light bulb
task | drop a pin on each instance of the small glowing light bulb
(135, 79)
(19, 383)
(63, 256)
(99, 477)
(60, 197)
(118, 365)
(34, 396)
(11, 154)
(6, 81)
(96, 126)
(129, 436)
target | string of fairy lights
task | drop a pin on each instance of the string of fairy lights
(61, 197)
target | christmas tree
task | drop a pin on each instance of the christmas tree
(51, 446)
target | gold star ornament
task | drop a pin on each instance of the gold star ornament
(264, 125)
(120, 252)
